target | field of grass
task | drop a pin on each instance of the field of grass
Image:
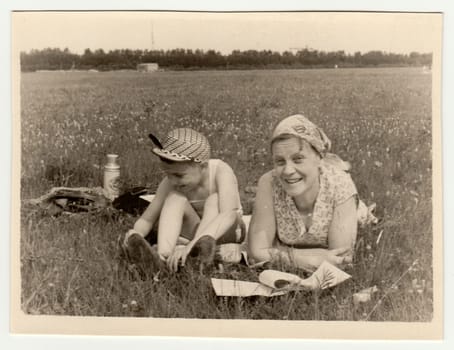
(378, 119)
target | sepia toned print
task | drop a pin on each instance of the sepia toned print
(80, 101)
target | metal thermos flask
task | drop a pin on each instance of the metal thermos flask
(112, 177)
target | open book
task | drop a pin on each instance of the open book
(274, 283)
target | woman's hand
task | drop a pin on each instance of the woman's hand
(178, 257)
(311, 259)
(339, 256)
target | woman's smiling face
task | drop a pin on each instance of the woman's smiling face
(296, 164)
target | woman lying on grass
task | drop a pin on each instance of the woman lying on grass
(196, 205)
(305, 210)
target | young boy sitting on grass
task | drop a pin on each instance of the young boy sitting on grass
(196, 203)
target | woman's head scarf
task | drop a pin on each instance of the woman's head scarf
(299, 126)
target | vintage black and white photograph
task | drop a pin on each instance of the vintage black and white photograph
(206, 166)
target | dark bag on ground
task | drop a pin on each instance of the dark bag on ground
(130, 201)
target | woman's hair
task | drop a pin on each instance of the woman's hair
(301, 141)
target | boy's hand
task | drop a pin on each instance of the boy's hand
(179, 254)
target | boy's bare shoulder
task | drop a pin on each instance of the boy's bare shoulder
(223, 165)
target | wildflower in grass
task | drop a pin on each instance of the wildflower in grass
(379, 237)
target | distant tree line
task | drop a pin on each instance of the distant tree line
(57, 59)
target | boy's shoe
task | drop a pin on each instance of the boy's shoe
(140, 253)
(205, 251)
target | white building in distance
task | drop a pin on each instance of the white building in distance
(147, 67)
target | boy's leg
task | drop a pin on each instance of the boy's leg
(214, 228)
(152, 237)
(210, 211)
(177, 217)
(236, 233)
(221, 226)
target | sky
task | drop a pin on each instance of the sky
(224, 32)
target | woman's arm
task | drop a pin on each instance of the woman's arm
(262, 233)
(262, 229)
(344, 226)
(311, 258)
(341, 238)
(146, 221)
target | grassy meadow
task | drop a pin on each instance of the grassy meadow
(377, 119)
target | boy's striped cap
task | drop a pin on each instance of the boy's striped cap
(183, 144)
